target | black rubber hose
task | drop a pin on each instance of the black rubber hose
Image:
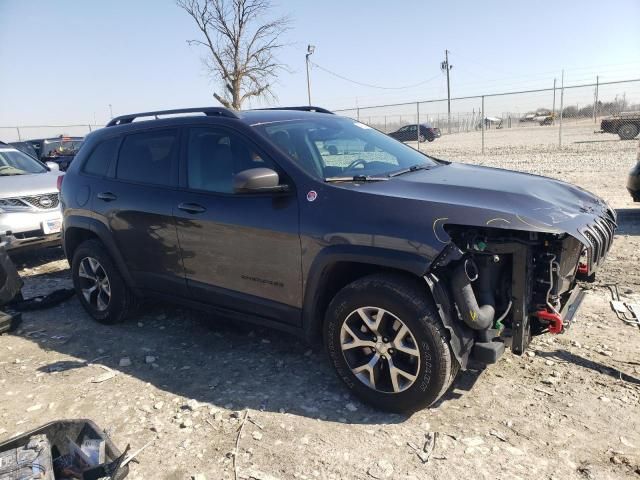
(478, 317)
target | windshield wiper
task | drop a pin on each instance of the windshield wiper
(412, 168)
(356, 178)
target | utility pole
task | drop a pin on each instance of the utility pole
(446, 67)
(310, 50)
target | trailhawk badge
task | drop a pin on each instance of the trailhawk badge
(311, 195)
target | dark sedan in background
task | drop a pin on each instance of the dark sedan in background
(409, 133)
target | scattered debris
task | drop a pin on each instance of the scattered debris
(108, 375)
(542, 390)
(429, 446)
(381, 470)
(498, 435)
(235, 451)
(125, 362)
(626, 443)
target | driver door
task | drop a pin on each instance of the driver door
(241, 251)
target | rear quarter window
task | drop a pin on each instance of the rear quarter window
(148, 157)
(101, 157)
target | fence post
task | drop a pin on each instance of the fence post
(482, 121)
(358, 113)
(89, 128)
(19, 137)
(553, 109)
(418, 122)
(561, 108)
(385, 124)
(595, 102)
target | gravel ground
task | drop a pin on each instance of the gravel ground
(197, 386)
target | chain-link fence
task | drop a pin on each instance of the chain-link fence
(550, 116)
(22, 133)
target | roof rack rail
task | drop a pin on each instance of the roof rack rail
(208, 111)
(304, 108)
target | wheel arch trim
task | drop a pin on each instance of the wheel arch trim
(101, 232)
(320, 270)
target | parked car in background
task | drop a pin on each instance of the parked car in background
(633, 181)
(403, 265)
(409, 133)
(25, 147)
(30, 213)
(60, 150)
(626, 125)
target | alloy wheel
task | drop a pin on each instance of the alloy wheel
(94, 283)
(380, 349)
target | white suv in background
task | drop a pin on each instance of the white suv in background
(29, 204)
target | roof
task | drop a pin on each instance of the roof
(255, 117)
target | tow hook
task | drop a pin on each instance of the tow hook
(555, 320)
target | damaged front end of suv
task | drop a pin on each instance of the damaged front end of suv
(511, 277)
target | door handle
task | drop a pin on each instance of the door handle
(191, 208)
(107, 196)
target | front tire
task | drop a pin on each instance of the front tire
(99, 285)
(386, 341)
(421, 138)
(628, 131)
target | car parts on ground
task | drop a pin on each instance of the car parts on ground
(60, 450)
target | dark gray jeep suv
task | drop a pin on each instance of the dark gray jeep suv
(403, 265)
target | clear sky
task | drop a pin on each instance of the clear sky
(65, 61)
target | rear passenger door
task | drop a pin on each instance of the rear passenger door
(135, 199)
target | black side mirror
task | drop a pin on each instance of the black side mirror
(258, 180)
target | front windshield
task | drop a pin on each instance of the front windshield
(14, 162)
(341, 147)
(62, 147)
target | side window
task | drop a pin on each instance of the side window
(99, 160)
(214, 156)
(148, 157)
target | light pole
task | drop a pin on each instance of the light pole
(310, 50)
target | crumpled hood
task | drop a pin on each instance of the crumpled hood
(490, 197)
(26, 185)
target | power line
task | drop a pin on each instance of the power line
(362, 84)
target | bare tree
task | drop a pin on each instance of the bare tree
(241, 45)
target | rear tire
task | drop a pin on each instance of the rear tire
(628, 131)
(99, 285)
(386, 341)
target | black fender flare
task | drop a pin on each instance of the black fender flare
(101, 231)
(316, 276)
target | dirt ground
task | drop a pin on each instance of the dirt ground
(197, 386)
